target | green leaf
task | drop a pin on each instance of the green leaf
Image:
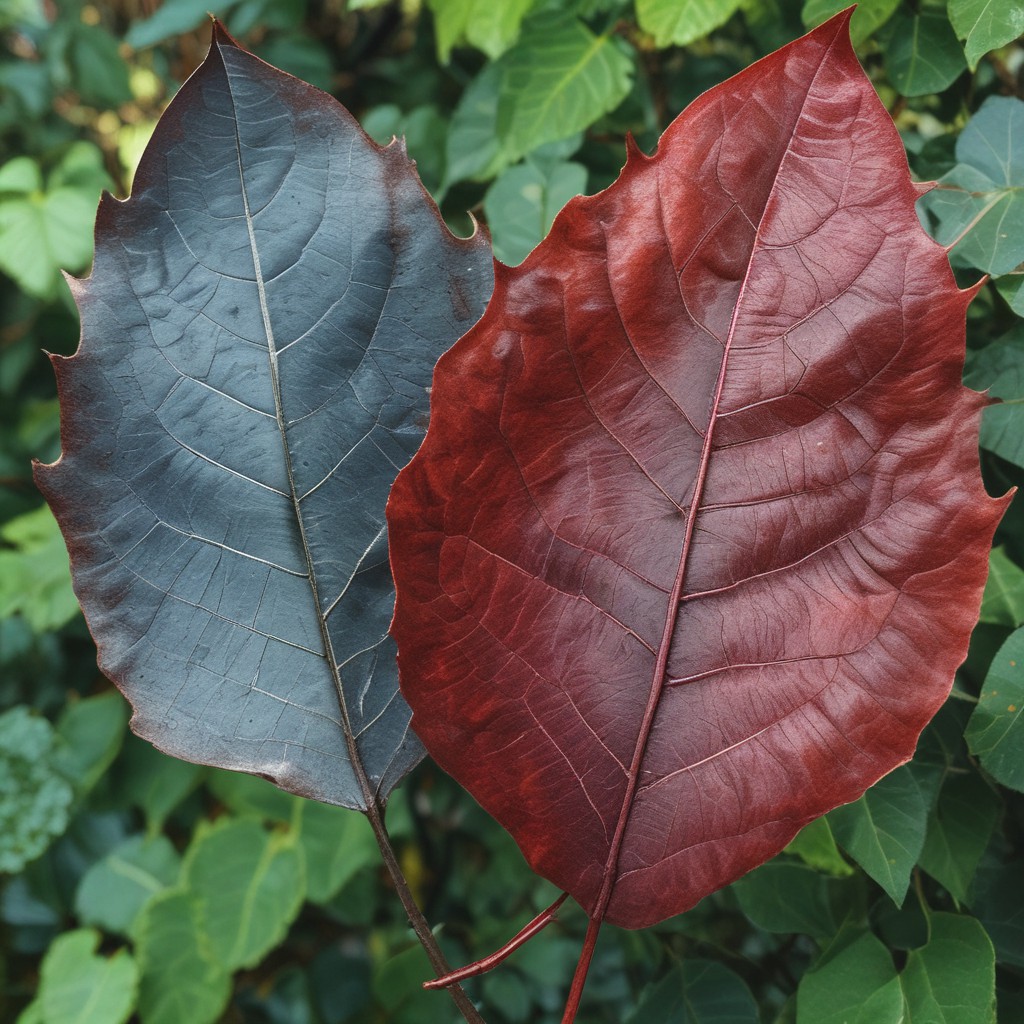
(35, 580)
(870, 15)
(1003, 601)
(884, 830)
(782, 896)
(115, 889)
(93, 730)
(473, 149)
(78, 987)
(169, 19)
(951, 980)
(424, 130)
(857, 985)
(249, 883)
(251, 796)
(489, 26)
(45, 230)
(959, 829)
(34, 795)
(986, 25)
(981, 200)
(698, 992)
(99, 75)
(181, 983)
(1011, 287)
(680, 22)
(153, 782)
(998, 901)
(815, 845)
(558, 80)
(523, 202)
(999, 367)
(922, 54)
(336, 843)
(995, 733)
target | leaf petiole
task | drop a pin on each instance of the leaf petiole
(487, 963)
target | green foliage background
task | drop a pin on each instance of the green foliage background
(134, 886)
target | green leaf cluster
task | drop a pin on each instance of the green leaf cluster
(133, 886)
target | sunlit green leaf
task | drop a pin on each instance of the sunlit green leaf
(181, 982)
(249, 884)
(35, 580)
(489, 26)
(558, 80)
(815, 845)
(680, 22)
(78, 987)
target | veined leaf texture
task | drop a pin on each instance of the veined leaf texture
(259, 332)
(697, 536)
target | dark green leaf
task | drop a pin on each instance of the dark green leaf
(999, 903)
(922, 54)
(93, 730)
(995, 732)
(1003, 601)
(99, 74)
(959, 829)
(260, 331)
(698, 992)
(783, 896)
(884, 830)
(154, 782)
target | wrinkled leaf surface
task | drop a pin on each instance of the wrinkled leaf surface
(697, 536)
(258, 335)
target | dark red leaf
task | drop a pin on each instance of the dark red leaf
(697, 537)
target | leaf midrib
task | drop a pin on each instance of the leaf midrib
(660, 669)
(355, 761)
